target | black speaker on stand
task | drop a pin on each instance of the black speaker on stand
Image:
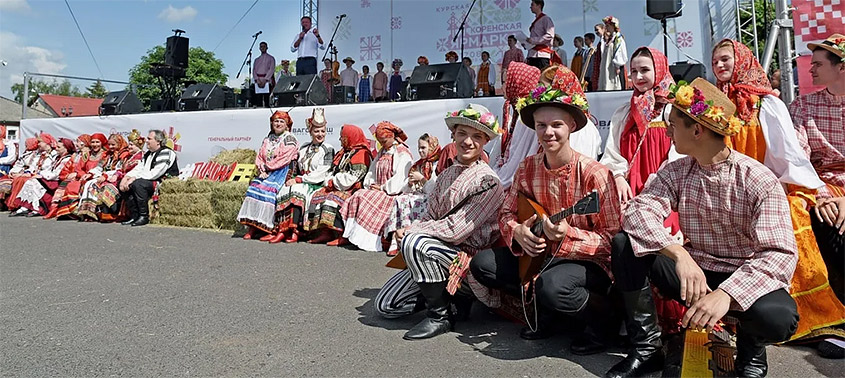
(176, 51)
(207, 97)
(121, 102)
(446, 80)
(291, 91)
(661, 10)
(687, 71)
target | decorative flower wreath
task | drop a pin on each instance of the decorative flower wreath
(693, 102)
(839, 44)
(487, 119)
(611, 20)
(543, 94)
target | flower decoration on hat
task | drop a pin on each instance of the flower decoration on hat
(476, 116)
(549, 94)
(692, 100)
(839, 44)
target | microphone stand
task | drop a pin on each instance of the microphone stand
(248, 62)
(461, 29)
(329, 48)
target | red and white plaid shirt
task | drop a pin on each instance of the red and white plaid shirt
(473, 226)
(819, 119)
(588, 237)
(735, 216)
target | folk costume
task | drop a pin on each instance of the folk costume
(36, 195)
(769, 137)
(409, 206)
(310, 173)
(111, 171)
(395, 84)
(460, 217)
(367, 211)
(69, 200)
(576, 279)
(380, 82)
(8, 152)
(541, 34)
(511, 55)
(614, 56)
(486, 78)
(23, 167)
(636, 147)
(27, 198)
(154, 167)
(273, 161)
(346, 175)
(732, 214)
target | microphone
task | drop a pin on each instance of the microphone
(257, 34)
(341, 16)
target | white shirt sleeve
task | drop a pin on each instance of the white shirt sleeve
(401, 166)
(621, 55)
(612, 158)
(784, 155)
(11, 153)
(491, 75)
(370, 178)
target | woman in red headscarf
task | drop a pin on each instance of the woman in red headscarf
(769, 136)
(82, 146)
(8, 153)
(637, 145)
(21, 167)
(110, 208)
(46, 155)
(36, 195)
(81, 173)
(366, 213)
(110, 170)
(410, 205)
(278, 152)
(346, 176)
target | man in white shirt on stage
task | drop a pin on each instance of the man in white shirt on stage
(306, 44)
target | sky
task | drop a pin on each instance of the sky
(41, 36)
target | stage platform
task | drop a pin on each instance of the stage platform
(202, 134)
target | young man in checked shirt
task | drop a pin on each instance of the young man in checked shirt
(576, 279)
(460, 216)
(741, 253)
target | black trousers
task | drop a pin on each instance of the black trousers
(832, 248)
(262, 100)
(772, 318)
(564, 286)
(138, 197)
(540, 63)
(306, 66)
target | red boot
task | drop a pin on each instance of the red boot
(278, 237)
(268, 236)
(51, 214)
(294, 236)
(250, 232)
(338, 242)
(324, 236)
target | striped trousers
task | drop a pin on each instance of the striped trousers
(428, 260)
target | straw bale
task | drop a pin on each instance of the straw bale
(185, 221)
(201, 203)
(238, 155)
(186, 204)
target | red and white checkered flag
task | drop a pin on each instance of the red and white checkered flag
(817, 19)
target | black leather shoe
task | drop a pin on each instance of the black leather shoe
(636, 366)
(540, 333)
(141, 221)
(750, 358)
(129, 222)
(19, 213)
(587, 343)
(32, 214)
(646, 355)
(439, 315)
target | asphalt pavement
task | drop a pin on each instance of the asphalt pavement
(86, 299)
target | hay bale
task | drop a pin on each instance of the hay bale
(238, 155)
(227, 202)
(198, 204)
(190, 185)
(201, 203)
(185, 221)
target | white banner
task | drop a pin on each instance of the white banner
(381, 30)
(201, 135)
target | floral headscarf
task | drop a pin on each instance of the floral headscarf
(386, 129)
(426, 164)
(283, 115)
(748, 82)
(31, 144)
(352, 138)
(119, 153)
(644, 104)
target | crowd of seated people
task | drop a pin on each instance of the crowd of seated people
(693, 190)
(89, 178)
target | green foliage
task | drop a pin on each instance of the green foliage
(97, 90)
(64, 88)
(765, 11)
(203, 67)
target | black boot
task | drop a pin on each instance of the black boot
(602, 326)
(462, 303)
(750, 357)
(646, 355)
(133, 209)
(141, 221)
(544, 328)
(438, 320)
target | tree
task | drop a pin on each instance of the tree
(36, 87)
(97, 90)
(765, 12)
(203, 67)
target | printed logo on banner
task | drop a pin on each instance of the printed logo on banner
(591, 6)
(396, 23)
(507, 4)
(345, 29)
(486, 28)
(172, 139)
(685, 39)
(365, 3)
(818, 18)
(371, 47)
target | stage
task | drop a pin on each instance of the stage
(202, 134)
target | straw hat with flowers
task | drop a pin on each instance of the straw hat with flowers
(475, 116)
(835, 44)
(707, 105)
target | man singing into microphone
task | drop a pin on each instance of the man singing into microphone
(305, 44)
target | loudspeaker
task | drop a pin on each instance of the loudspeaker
(121, 102)
(206, 97)
(446, 80)
(687, 71)
(290, 91)
(660, 9)
(343, 95)
(176, 51)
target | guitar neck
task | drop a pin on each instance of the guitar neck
(537, 228)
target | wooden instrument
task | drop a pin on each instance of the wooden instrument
(526, 208)
(335, 65)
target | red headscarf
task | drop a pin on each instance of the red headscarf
(68, 143)
(283, 115)
(120, 152)
(86, 139)
(103, 140)
(386, 129)
(47, 138)
(748, 81)
(426, 164)
(31, 144)
(521, 79)
(644, 106)
(352, 138)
